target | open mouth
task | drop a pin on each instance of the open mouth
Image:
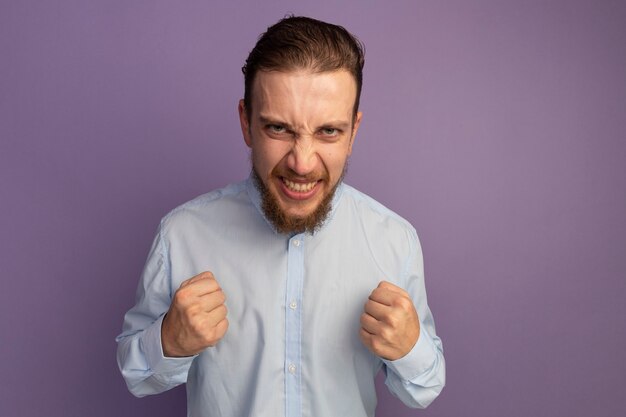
(299, 187)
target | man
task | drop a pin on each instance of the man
(285, 294)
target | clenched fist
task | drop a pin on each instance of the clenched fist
(196, 318)
(389, 324)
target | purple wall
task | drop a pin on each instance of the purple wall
(497, 128)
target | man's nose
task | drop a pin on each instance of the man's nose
(303, 158)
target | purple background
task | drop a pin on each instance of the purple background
(497, 128)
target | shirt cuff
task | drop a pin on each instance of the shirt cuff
(153, 349)
(419, 359)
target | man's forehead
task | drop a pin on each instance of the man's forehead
(329, 90)
(342, 79)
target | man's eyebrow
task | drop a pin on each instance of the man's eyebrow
(336, 124)
(267, 120)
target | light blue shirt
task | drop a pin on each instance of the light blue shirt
(294, 302)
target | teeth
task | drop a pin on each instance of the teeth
(298, 187)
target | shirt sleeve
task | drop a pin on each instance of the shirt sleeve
(139, 351)
(418, 377)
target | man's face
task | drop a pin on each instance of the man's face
(300, 130)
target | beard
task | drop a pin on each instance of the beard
(282, 222)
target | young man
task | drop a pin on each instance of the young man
(324, 286)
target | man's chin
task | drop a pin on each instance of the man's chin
(297, 208)
(290, 215)
(298, 215)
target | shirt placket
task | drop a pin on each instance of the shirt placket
(293, 326)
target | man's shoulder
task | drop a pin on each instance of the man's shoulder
(215, 204)
(374, 213)
(391, 240)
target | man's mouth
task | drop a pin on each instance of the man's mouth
(299, 187)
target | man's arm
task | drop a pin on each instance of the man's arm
(397, 326)
(389, 324)
(196, 319)
(162, 333)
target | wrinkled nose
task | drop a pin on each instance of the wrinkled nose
(303, 158)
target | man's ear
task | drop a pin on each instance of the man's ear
(355, 128)
(245, 123)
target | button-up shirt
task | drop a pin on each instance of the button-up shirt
(294, 302)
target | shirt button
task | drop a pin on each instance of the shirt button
(293, 305)
(292, 368)
(296, 243)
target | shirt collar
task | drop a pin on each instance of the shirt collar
(255, 197)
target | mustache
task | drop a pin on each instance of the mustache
(294, 176)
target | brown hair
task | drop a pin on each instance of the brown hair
(297, 42)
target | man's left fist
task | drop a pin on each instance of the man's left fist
(389, 324)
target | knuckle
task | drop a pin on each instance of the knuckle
(192, 311)
(196, 327)
(221, 311)
(179, 295)
(223, 328)
(214, 287)
(214, 335)
(404, 303)
(386, 333)
(183, 296)
(392, 321)
(376, 344)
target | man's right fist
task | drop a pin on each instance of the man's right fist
(196, 318)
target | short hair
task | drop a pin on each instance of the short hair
(298, 42)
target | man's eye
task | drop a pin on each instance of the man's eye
(330, 131)
(276, 128)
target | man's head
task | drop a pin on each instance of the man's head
(299, 116)
(296, 43)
